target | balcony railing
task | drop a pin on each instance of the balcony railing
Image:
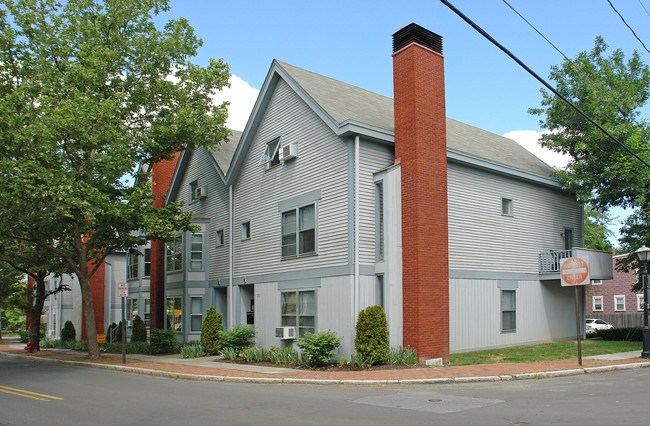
(600, 263)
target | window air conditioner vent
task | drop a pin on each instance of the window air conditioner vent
(285, 333)
(200, 192)
(288, 152)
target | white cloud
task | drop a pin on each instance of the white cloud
(242, 99)
(529, 139)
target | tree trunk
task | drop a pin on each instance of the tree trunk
(37, 310)
(88, 312)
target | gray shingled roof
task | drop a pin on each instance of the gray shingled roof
(224, 153)
(344, 101)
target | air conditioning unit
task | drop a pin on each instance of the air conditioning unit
(285, 333)
(289, 151)
(129, 323)
(200, 192)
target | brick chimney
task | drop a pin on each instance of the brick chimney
(162, 174)
(421, 147)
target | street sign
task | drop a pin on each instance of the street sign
(122, 290)
(101, 338)
(574, 271)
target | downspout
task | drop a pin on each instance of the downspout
(231, 262)
(357, 303)
(110, 292)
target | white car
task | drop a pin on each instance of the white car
(598, 324)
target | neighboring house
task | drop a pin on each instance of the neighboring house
(66, 306)
(614, 301)
(334, 198)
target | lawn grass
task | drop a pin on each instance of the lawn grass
(566, 349)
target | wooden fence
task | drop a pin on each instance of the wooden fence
(621, 320)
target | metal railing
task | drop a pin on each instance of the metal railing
(550, 262)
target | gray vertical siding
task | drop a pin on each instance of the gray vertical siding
(321, 165)
(480, 238)
(215, 207)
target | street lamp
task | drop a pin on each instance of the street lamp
(644, 255)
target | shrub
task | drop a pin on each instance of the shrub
(118, 333)
(399, 355)
(110, 328)
(282, 356)
(139, 332)
(192, 350)
(24, 335)
(371, 340)
(318, 348)
(211, 330)
(229, 353)
(627, 334)
(253, 354)
(68, 332)
(163, 341)
(238, 338)
(130, 347)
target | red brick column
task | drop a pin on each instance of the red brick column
(420, 146)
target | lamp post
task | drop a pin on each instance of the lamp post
(644, 255)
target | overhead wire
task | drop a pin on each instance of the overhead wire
(571, 62)
(646, 10)
(628, 25)
(540, 79)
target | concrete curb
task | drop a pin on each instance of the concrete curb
(350, 382)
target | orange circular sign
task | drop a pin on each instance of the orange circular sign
(574, 271)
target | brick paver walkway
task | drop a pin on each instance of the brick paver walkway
(452, 372)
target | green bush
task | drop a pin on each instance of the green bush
(253, 354)
(163, 341)
(139, 331)
(24, 335)
(118, 333)
(626, 334)
(371, 340)
(238, 338)
(318, 348)
(68, 332)
(229, 353)
(130, 347)
(211, 331)
(282, 356)
(192, 350)
(400, 355)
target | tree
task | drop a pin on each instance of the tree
(211, 330)
(92, 92)
(371, 338)
(139, 330)
(13, 293)
(597, 231)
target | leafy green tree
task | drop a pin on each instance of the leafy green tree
(13, 295)
(68, 333)
(597, 231)
(211, 330)
(89, 91)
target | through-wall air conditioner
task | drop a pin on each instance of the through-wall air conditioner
(129, 323)
(200, 192)
(285, 333)
(288, 151)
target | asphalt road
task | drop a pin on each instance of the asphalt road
(45, 393)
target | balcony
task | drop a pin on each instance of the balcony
(601, 266)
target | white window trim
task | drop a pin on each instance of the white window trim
(501, 310)
(511, 207)
(194, 314)
(296, 211)
(267, 158)
(192, 251)
(619, 296)
(639, 302)
(596, 282)
(593, 307)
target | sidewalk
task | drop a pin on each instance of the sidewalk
(210, 369)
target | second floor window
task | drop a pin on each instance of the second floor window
(197, 252)
(147, 262)
(132, 266)
(299, 231)
(175, 254)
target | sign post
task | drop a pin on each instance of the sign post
(123, 293)
(574, 272)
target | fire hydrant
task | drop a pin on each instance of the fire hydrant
(29, 347)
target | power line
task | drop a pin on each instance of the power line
(540, 79)
(584, 74)
(627, 25)
(646, 10)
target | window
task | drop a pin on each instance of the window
(379, 233)
(506, 207)
(379, 291)
(596, 282)
(639, 302)
(299, 238)
(218, 238)
(175, 313)
(132, 309)
(175, 254)
(245, 230)
(597, 303)
(271, 155)
(197, 314)
(299, 309)
(147, 262)
(508, 310)
(132, 265)
(147, 312)
(619, 302)
(196, 256)
(568, 239)
(193, 187)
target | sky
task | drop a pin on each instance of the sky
(351, 41)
